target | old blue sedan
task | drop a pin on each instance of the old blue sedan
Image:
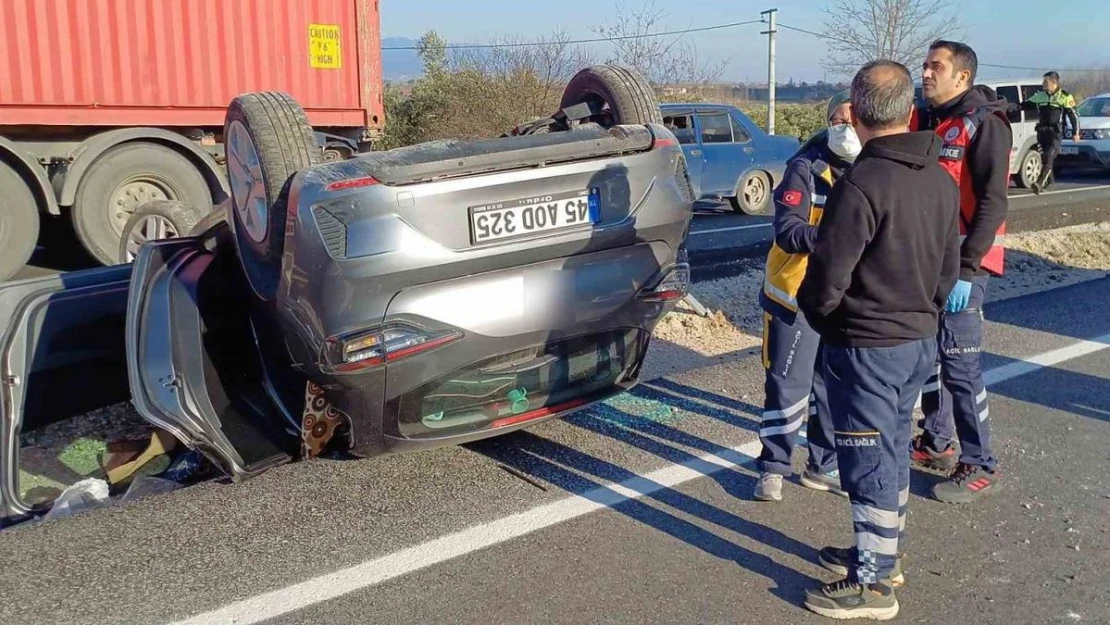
(728, 155)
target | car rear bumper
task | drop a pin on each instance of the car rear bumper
(563, 310)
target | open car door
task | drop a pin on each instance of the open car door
(64, 382)
(194, 362)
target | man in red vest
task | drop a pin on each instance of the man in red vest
(977, 140)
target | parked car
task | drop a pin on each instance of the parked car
(728, 155)
(395, 301)
(1025, 155)
(1093, 147)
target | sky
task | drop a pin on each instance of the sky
(1027, 33)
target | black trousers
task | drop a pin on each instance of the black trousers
(1049, 140)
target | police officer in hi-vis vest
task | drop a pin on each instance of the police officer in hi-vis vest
(1054, 106)
(792, 390)
(977, 138)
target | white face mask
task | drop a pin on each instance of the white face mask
(844, 142)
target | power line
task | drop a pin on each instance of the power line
(1015, 67)
(528, 44)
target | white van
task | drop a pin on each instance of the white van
(1025, 156)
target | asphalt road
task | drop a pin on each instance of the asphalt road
(634, 511)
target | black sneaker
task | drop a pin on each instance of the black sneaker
(839, 559)
(922, 453)
(847, 600)
(967, 484)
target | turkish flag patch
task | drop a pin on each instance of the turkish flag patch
(792, 198)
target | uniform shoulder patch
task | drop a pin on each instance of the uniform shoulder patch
(792, 198)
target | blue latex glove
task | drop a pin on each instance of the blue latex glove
(959, 297)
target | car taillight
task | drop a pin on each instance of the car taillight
(674, 285)
(353, 183)
(663, 142)
(370, 349)
(539, 413)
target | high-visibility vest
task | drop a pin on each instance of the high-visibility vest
(783, 272)
(957, 133)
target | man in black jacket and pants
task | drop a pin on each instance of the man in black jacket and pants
(887, 256)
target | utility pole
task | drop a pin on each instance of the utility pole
(770, 13)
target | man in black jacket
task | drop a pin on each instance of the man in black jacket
(887, 255)
(977, 137)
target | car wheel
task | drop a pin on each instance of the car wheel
(154, 221)
(19, 222)
(268, 139)
(1030, 169)
(623, 94)
(753, 194)
(123, 179)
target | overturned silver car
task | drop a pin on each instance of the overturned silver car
(396, 301)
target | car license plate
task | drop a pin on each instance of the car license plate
(1069, 149)
(527, 216)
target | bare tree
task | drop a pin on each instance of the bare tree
(665, 60)
(859, 31)
(536, 70)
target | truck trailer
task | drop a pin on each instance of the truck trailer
(106, 106)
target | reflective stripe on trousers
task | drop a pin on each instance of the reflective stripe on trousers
(954, 399)
(793, 391)
(872, 393)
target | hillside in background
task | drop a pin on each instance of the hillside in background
(400, 65)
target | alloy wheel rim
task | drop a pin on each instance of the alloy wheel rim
(149, 228)
(248, 187)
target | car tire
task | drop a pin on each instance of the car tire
(19, 222)
(753, 194)
(1029, 168)
(154, 221)
(628, 96)
(268, 139)
(121, 180)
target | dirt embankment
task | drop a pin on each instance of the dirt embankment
(1035, 261)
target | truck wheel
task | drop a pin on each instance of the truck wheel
(753, 194)
(19, 222)
(123, 179)
(268, 139)
(154, 221)
(1029, 169)
(622, 92)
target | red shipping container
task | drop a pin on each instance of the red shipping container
(180, 62)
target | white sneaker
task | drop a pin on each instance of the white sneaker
(768, 488)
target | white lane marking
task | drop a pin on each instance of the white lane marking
(1047, 359)
(331, 585)
(298, 596)
(729, 229)
(1073, 190)
(1023, 366)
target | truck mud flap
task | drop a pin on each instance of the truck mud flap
(194, 359)
(62, 355)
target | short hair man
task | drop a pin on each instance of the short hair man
(1054, 106)
(887, 256)
(977, 139)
